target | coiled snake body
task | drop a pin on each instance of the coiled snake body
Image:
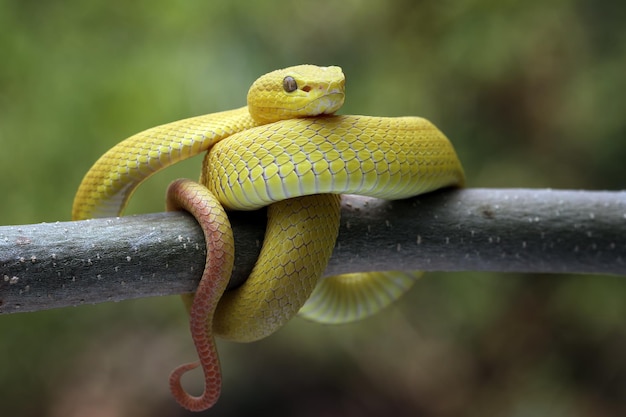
(286, 150)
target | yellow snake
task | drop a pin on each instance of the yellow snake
(284, 149)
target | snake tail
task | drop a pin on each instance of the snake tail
(199, 202)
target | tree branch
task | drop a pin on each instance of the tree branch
(54, 265)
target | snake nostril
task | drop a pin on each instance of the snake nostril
(306, 88)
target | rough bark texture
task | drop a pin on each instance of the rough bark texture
(54, 265)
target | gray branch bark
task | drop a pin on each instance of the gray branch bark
(55, 265)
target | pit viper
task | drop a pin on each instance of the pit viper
(287, 150)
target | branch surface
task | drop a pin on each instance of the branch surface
(53, 265)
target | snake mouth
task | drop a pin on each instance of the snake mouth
(335, 101)
(328, 103)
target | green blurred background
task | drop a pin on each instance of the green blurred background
(532, 93)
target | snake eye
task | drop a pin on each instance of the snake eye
(289, 84)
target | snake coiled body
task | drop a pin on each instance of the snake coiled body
(272, 153)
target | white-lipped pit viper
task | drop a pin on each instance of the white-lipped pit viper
(287, 150)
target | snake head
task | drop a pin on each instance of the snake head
(300, 91)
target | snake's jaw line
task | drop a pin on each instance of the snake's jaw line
(329, 103)
(333, 102)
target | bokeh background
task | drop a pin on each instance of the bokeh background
(532, 93)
